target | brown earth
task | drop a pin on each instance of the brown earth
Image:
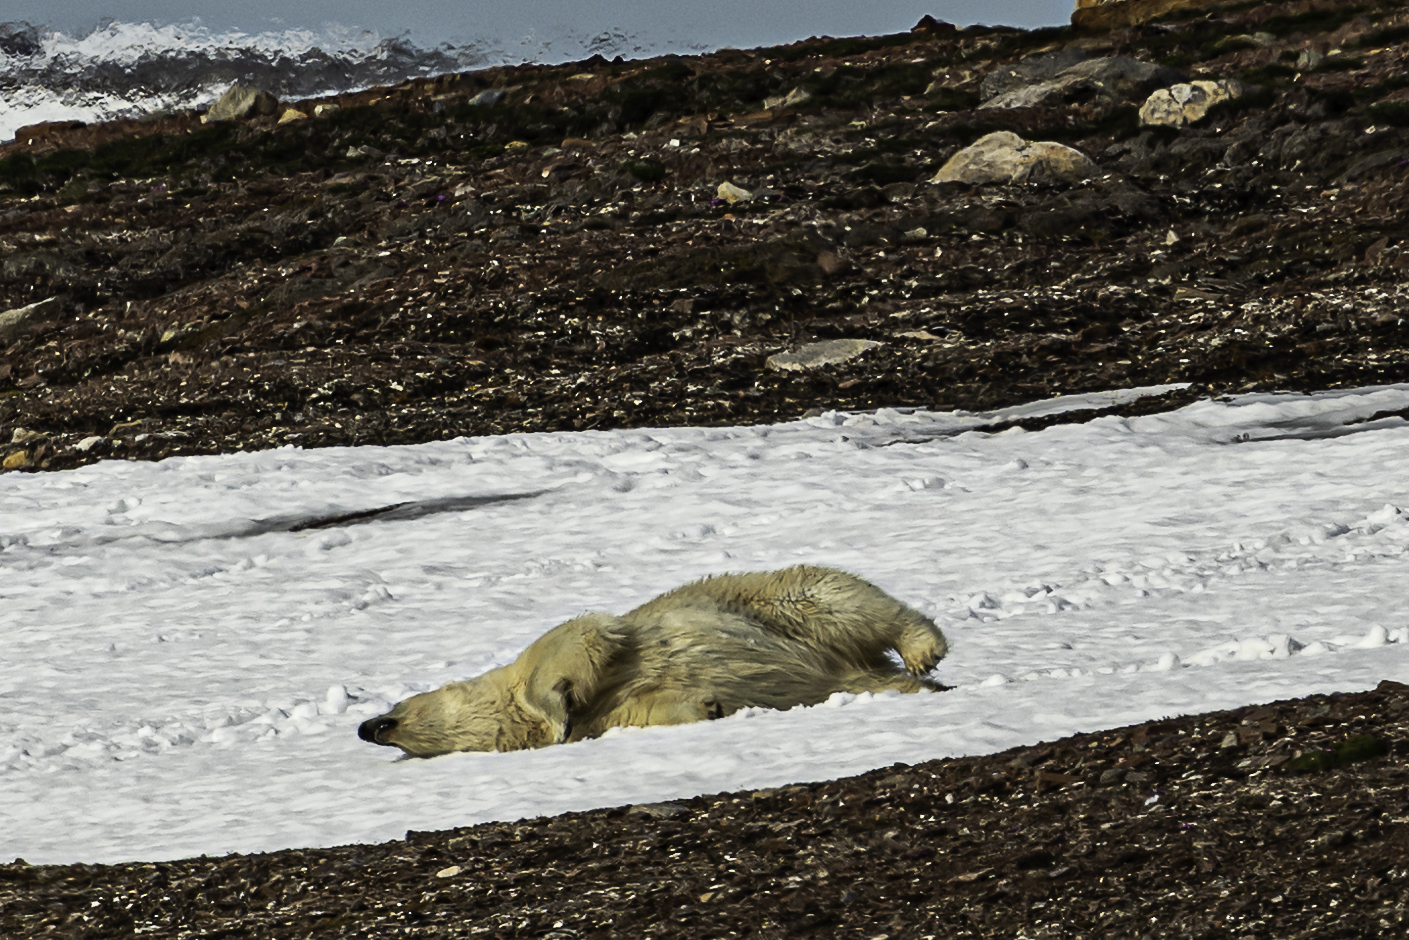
(1279, 821)
(414, 266)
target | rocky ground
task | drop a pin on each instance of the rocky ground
(431, 260)
(1281, 821)
(540, 248)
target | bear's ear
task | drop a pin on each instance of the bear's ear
(563, 670)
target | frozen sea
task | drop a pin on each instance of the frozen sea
(91, 60)
(185, 660)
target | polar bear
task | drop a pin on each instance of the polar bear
(773, 639)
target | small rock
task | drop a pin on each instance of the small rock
(816, 355)
(88, 443)
(241, 102)
(19, 460)
(929, 26)
(791, 100)
(832, 263)
(489, 96)
(1114, 775)
(320, 110)
(517, 146)
(1004, 157)
(13, 321)
(292, 115)
(1180, 105)
(1309, 59)
(732, 194)
(658, 810)
(1229, 740)
(450, 872)
(25, 435)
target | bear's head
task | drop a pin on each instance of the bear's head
(486, 713)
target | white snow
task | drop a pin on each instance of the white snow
(182, 673)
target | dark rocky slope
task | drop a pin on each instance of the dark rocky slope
(426, 261)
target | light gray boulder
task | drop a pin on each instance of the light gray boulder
(816, 355)
(1004, 157)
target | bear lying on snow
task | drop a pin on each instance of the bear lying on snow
(774, 639)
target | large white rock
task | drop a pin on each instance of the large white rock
(1184, 104)
(1004, 157)
(816, 355)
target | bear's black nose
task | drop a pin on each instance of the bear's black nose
(372, 728)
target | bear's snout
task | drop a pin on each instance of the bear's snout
(375, 729)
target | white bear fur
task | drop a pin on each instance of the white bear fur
(773, 639)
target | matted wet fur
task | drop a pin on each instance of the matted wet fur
(774, 639)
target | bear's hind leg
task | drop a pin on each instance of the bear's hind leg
(875, 681)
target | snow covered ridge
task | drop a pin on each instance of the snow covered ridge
(191, 644)
(125, 70)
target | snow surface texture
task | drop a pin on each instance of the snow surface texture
(190, 645)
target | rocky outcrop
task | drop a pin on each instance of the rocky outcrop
(1182, 105)
(1096, 15)
(1032, 70)
(1004, 157)
(1113, 78)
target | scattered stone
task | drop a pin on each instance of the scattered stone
(1185, 104)
(816, 355)
(88, 443)
(791, 100)
(665, 810)
(25, 435)
(1030, 71)
(241, 102)
(490, 96)
(19, 460)
(732, 194)
(1309, 59)
(12, 322)
(292, 115)
(1004, 157)
(832, 263)
(323, 110)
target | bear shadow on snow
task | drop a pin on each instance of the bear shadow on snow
(773, 639)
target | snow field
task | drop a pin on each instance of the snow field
(184, 673)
